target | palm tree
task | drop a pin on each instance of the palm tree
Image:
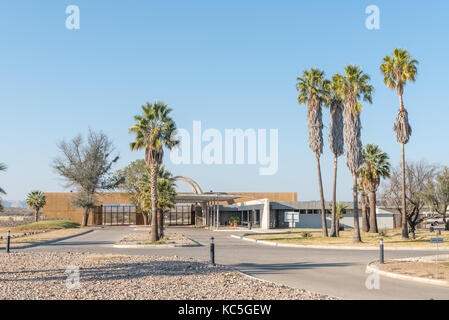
(36, 200)
(311, 92)
(2, 168)
(364, 202)
(354, 86)
(166, 194)
(375, 166)
(334, 101)
(397, 71)
(340, 208)
(154, 130)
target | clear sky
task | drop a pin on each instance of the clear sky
(230, 64)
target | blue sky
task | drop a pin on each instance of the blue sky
(230, 64)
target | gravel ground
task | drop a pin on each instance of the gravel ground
(43, 276)
(416, 269)
(137, 238)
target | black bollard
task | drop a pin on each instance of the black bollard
(8, 239)
(212, 251)
(381, 251)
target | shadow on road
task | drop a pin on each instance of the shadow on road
(271, 268)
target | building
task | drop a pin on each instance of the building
(267, 210)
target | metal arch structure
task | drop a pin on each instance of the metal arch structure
(195, 186)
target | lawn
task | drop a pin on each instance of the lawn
(48, 225)
(391, 237)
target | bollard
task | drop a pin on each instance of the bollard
(212, 251)
(8, 239)
(249, 225)
(381, 251)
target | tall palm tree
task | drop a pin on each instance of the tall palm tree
(2, 168)
(311, 93)
(375, 166)
(36, 200)
(334, 100)
(354, 86)
(397, 71)
(154, 130)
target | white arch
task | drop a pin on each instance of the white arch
(195, 186)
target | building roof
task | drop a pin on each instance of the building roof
(193, 197)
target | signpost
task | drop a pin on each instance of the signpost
(437, 241)
(291, 218)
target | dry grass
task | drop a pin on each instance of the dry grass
(417, 269)
(31, 239)
(392, 237)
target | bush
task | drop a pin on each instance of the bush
(383, 232)
(306, 234)
(235, 220)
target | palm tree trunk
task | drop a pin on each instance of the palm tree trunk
(160, 222)
(356, 236)
(86, 217)
(36, 214)
(154, 229)
(147, 219)
(365, 222)
(404, 205)
(334, 227)
(372, 213)
(323, 207)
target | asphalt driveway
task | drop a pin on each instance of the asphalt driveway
(338, 273)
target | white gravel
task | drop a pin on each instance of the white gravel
(39, 275)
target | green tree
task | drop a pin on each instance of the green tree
(436, 194)
(36, 200)
(354, 87)
(87, 167)
(375, 166)
(334, 100)
(311, 92)
(399, 69)
(154, 130)
(130, 177)
(2, 168)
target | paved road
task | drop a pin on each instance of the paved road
(338, 273)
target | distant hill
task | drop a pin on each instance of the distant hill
(14, 204)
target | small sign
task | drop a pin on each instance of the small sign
(291, 218)
(436, 240)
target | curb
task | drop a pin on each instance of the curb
(335, 247)
(153, 246)
(43, 243)
(277, 284)
(159, 246)
(370, 268)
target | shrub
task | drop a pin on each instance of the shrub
(306, 234)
